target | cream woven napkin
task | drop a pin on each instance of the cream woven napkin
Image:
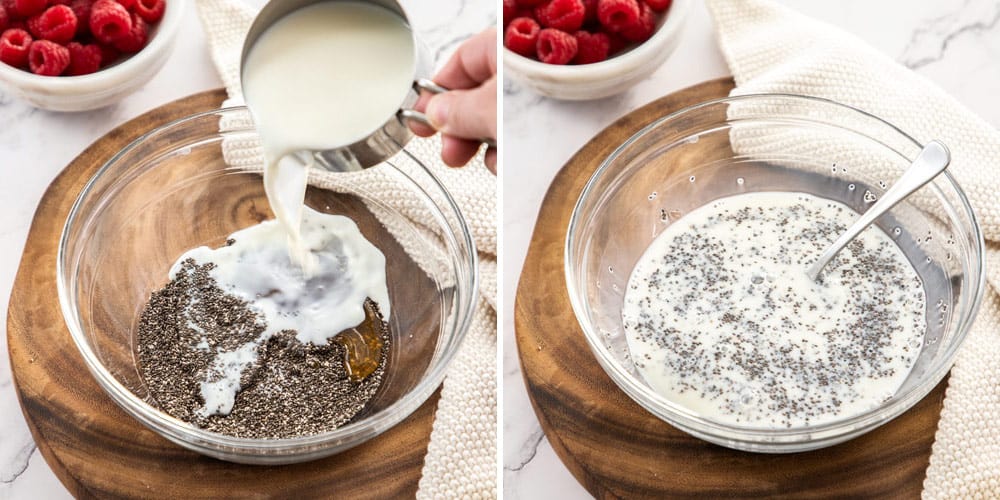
(770, 48)
(461, 456)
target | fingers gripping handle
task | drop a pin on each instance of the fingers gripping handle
(429, 86)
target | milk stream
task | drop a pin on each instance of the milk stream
(322, 77)
(721, 318)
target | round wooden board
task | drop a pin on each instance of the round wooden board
(99, 451)
(615, 448)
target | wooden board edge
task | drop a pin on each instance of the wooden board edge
(578, 469)
(52, 210)
(75, 487)
(43, 237)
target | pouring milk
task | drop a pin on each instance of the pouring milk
(322, 77)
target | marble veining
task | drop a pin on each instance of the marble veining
(931, 40)
(955, 43)
(528, 451)
(35, 145)
(18, 461)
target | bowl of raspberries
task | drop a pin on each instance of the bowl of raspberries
(588, 49)
(75, 55)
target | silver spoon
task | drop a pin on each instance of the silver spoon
(931, 161)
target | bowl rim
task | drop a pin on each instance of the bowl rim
(770, 439)
(163, 36)
(636, 57)
(225, 446)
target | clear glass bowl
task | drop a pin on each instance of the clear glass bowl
(768, 143)
(171, 190)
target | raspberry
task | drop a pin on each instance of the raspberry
(10, 9)
(14, 47)
(658, 5)
(555, 47)
(618, 43)
(509, 11)
(47, 58)
(57, 23)
(81, 9)
(83, 59)
(589, 11)
(616, 14)
(34, 24)
(28, 8)
(128, 4)
(109, 21)
(135, 39)
(565, 15)
(643, 28)
(109, 54)
(591, 47)
(150, 11)
(4, 19)
(530, 3)
(522, 36)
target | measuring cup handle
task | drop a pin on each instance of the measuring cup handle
(433, 88)
(429, 86)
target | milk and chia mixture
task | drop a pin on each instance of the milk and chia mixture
(245, 342)
(721, 318)
(291, 389)
(282, 332)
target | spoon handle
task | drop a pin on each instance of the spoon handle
(931, 161)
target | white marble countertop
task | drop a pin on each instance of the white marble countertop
(954, 43)
(35, 145)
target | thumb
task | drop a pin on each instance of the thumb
(469, 114)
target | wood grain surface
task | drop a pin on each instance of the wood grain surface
(95, 448)
(615, 448)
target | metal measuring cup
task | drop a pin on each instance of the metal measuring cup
(391, 137)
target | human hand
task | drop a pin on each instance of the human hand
(468, 112)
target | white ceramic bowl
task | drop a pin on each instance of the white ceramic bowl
(107, 86)
(610, 77)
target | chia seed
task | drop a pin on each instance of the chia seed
(292, 389)
(715, 310)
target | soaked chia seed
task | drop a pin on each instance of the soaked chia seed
(721, 318)
(292, 389)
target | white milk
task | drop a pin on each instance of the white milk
(322, 77)
(256, 268)
(721, 318)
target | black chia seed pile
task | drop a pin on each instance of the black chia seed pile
(292, 389)
(721, 318)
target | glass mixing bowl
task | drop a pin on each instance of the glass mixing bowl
(172, 190)
(768, 143)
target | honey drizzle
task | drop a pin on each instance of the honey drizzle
(364, 345)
